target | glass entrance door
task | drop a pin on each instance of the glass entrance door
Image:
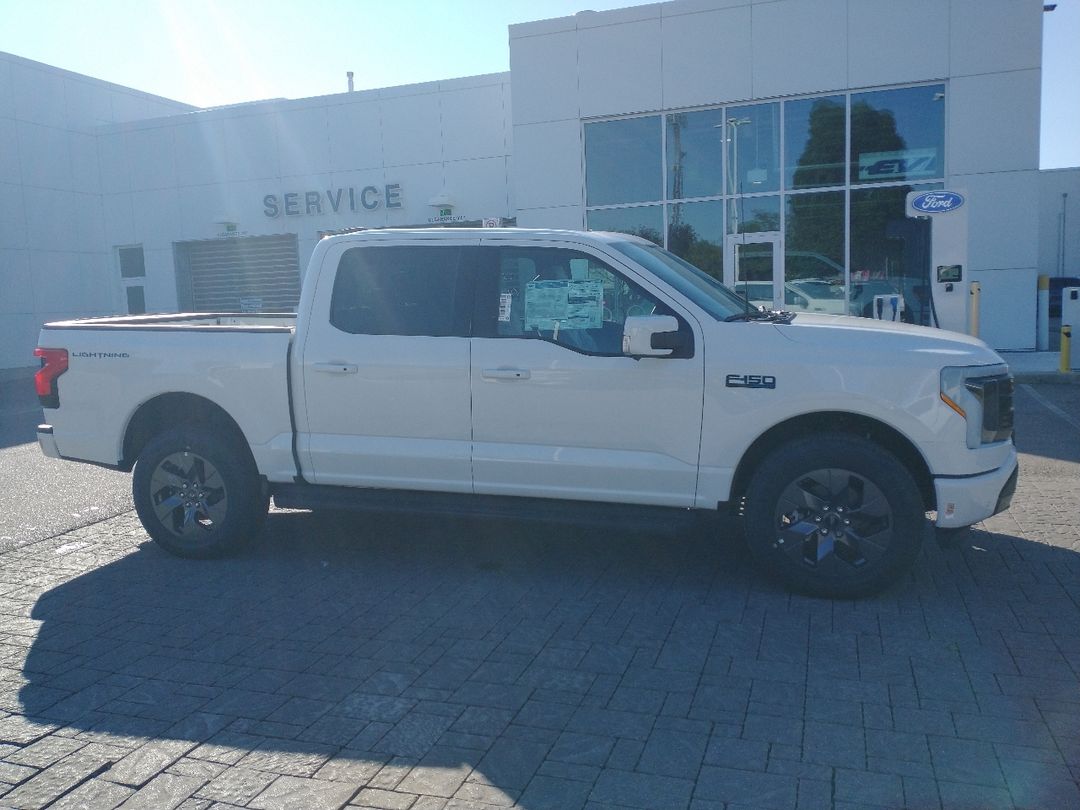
(756, 274)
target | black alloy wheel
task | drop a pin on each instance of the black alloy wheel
(834, 515)
(198, 493)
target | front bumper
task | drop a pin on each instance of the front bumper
(47, 442)
(967, 500)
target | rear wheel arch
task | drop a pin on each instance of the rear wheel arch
(178, 409)
(813, 424)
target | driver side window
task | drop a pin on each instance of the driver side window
(566, 297)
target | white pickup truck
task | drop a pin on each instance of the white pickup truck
(519, 370)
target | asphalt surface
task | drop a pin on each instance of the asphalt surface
(42, 497)
(1048, 427)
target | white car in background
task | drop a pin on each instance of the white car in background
(808, 295)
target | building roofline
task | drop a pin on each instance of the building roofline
(82, 77)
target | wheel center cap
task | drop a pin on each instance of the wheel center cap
(832, 522)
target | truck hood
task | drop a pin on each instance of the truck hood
(845, 333)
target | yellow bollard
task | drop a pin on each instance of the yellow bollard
(973, 309)
(1066, 350)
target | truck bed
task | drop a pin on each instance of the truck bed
(119, 365)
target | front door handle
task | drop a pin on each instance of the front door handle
(335, 368)
(505, 374)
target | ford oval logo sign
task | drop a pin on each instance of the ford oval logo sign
(937, 202)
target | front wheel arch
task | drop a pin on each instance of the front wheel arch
(815, 424)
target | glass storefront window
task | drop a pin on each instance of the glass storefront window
(898, 134)
(753, 148)
(814, 133)
(814, 252)
(696, 233)
(695, 149)
(869, 148)
(753, 214)
(646, 221)
(623, 161)
(890, 253)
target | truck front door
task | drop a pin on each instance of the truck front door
(558, 410)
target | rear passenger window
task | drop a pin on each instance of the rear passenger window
(400, 290)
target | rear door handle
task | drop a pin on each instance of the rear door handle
(336, 368)
(505, 374)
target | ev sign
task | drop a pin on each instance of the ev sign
(906, 164)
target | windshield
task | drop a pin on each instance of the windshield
(698, 286)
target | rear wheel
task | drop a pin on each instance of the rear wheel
(834, 515)
(197, 493)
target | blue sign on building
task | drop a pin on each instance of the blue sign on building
(937, 202)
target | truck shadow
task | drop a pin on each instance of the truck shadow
(20, 413)
(551, 666)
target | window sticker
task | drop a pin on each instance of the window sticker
(506, 301)
(584, 305)
(551, 305)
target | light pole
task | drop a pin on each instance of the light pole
(735, 123)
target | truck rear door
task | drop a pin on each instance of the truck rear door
(385, 366)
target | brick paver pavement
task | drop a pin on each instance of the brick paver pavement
(431, 664)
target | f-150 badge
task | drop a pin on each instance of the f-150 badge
(750, 381)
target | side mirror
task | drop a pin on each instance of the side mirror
(651, 336)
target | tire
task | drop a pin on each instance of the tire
(834, 516)
(198, 493)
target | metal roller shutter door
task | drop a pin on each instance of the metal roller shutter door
(259, 273)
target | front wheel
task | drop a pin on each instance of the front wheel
(197, 493)
(834, 515)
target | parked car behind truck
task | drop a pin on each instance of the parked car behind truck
(522, 369)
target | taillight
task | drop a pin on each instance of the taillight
(54, 362)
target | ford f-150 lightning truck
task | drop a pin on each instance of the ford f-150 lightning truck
(501, 369)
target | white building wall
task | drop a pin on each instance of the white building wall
(1058, 257)
(692, 53)
(179, 178)
(53, 257)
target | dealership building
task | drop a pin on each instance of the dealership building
(781, 145)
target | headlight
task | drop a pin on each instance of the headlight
(983, 395)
